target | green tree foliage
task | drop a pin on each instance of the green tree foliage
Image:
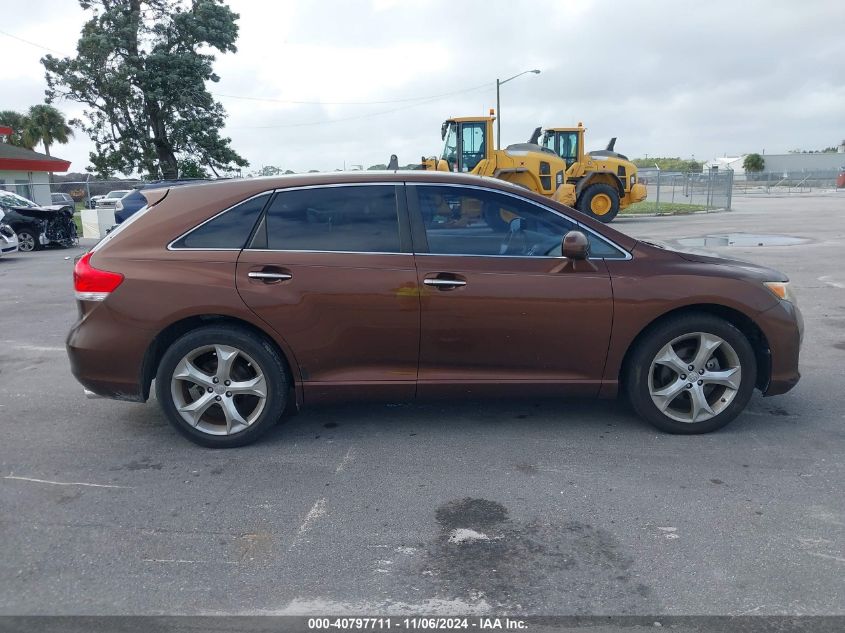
(753, 163)
(46, 125)
(189, 168)
(670, 164)
(140, 72)
(18, 123)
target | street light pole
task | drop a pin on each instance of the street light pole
(499, 104)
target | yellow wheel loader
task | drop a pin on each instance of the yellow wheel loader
(598, 184)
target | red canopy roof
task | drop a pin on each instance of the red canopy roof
(13, 158)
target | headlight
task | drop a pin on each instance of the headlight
(118, 206)
(782, 290)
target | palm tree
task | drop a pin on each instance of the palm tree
(754, 163)
(46, 125)
(18, 122)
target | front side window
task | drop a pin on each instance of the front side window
(229, 230)
(464, 221)
(360, 219)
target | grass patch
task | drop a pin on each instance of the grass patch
(78, 221)
(673, 208)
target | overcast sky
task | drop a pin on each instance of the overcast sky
(669, 78)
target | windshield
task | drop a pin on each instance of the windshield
(117, 194)
(450, 148)
(9, 199)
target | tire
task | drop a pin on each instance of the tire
(600, 201)
(658, 393)
(28, 241)
(225, 419)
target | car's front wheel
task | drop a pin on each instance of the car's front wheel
(27, 241)
(222, 386)
(691, 374)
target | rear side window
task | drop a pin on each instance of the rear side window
(360, 219)
(230, 230)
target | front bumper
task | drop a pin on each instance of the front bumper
(783, 326)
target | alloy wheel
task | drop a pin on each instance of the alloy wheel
(219, 389)
(26, 242)
(694, 377)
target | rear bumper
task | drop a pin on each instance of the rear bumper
(106, 353)
(783, 326)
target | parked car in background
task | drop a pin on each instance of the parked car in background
(134, 200)
(244, 297)
(109, 200)
(91, 203)
(64, 200)
(37, 226)
(8, 238)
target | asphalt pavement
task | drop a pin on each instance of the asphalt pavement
(552, 507)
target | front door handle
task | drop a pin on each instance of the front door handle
(445, 281)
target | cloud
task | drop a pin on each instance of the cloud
(668, 78)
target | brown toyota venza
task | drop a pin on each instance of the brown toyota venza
(244, 299)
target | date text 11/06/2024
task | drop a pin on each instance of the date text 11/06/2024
(417, 623)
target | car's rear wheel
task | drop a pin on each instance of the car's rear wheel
(222, 386)
(691, 374)
(27, 241)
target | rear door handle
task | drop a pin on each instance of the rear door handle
(260, 275)
(444, 283)
(269, 276)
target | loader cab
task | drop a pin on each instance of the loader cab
(568, 143)
(466, 142)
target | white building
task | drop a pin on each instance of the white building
(727, 162)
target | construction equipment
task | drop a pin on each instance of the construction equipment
(599, 183)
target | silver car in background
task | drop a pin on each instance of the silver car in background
(110, 199)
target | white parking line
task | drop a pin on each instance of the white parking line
(61, 483)
(316, 511)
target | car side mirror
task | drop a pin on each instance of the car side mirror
(575, 245)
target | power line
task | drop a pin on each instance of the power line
(386, 101)
(412, 101)
(20, 39)
(350, 118)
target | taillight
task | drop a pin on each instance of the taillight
(93, 284)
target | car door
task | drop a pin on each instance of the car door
(501, 311)
(330, 268)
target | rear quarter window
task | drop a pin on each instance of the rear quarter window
(229, 230)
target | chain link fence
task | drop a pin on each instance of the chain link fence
(673, 191)
(789, 182)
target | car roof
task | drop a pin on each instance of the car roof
(155, 184)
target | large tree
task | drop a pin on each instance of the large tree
(140, 70)
(46, 125)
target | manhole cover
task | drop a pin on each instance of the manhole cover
(742, 239)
